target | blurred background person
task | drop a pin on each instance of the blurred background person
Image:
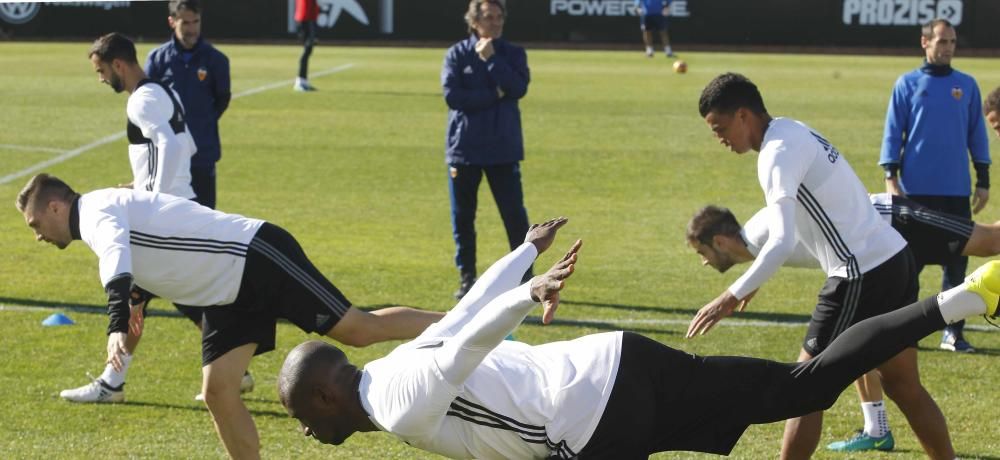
(306, 13)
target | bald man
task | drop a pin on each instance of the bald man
(461, 391)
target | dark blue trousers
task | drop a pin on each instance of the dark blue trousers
(463, 185)
(203, 183)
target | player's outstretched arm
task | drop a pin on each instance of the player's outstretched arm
(502, 276)
(463, 353)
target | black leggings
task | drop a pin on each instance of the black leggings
(667, 400)
(307, 32)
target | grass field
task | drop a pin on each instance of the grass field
(356, 172)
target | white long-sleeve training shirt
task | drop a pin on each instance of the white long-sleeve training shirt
(754, 233)
(462, 391)
(814, 197)
(160, 143)
(171, 246)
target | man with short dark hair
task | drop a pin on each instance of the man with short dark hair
(244, 273)
(160, 150)
(461, 391)
(933, 125)
(160, 144)
(199, 73)
(933, 237)
(814, 198)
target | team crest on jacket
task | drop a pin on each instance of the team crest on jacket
(203, 73)
(956, 93)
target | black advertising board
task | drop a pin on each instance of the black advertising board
(840, 23)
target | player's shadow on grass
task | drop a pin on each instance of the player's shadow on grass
(760, 316)
(82, 308)
(254, 412)
(599, 325)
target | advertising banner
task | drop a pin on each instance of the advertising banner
(814, 23)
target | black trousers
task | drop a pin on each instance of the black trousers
(668, 400)
(307, 33)
(954, 271)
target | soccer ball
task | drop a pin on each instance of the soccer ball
(680, 66)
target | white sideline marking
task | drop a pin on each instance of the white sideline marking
(279, 84)
(580, 321)
(62, 158)
(66, 155)
(685, 322)
(30, 148)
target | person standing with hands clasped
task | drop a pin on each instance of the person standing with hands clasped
(483, 78)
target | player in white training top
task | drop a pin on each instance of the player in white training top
(934, 237)
(814, 198)
(160, 144)
(160, 150)
(243, 273)
(461, 391)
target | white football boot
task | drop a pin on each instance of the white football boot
(97, 391)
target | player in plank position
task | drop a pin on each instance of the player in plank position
(462, 391)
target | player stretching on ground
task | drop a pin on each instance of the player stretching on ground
(461, 391)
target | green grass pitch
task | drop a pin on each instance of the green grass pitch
(356, 172)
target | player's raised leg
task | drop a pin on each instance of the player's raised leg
(816, 384)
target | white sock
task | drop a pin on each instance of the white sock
(649, 50)
(301, 81)
(666, 49)
(113, 377)
(876, 420)
(957, 304)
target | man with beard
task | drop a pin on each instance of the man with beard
(160, 145)
(160, 150)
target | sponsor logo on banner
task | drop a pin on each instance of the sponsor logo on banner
(613, 8)
(329, 12)
(900, 12)
(18, 13)
(23, 12)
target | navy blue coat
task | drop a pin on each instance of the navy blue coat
(484, 129)
(203, 86)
